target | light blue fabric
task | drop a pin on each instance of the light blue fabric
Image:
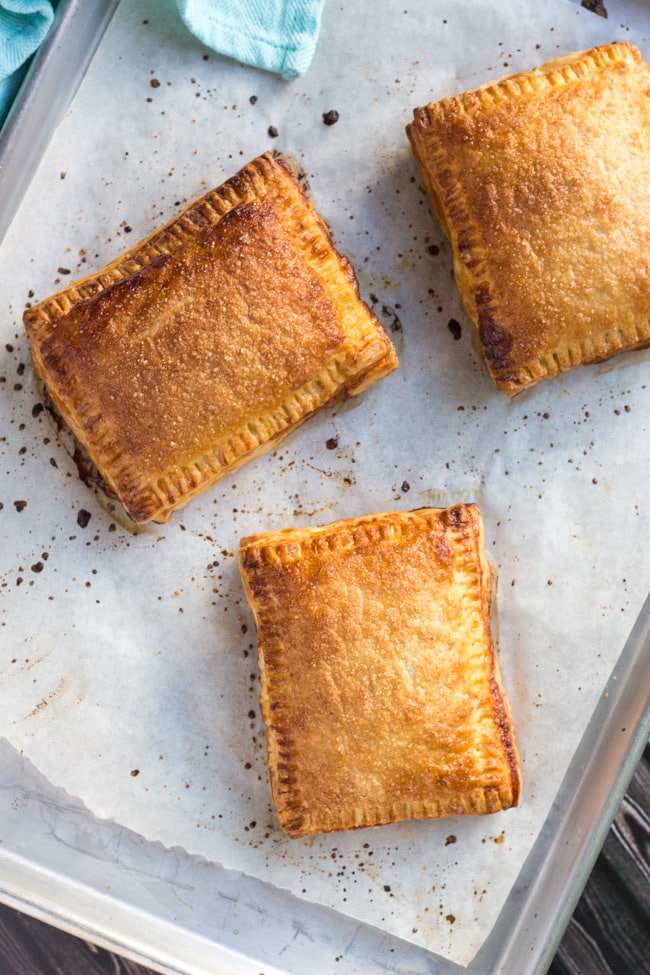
(23, 26)
(277, 35)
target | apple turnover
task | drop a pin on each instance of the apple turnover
(541, 182)
(208, 342)
(380, 686)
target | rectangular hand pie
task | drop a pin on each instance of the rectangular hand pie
(542, 183)
(208, 342)
(380, 686)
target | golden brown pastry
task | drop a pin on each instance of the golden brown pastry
(208, 342)
(379, 683)
(542, 183)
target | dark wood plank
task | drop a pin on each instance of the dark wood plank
(609, 933)
(30, 947)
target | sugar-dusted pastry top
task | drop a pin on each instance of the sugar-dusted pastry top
(542, 183)
(379, 682)
(207, 342)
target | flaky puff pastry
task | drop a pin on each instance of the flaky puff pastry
(542, 183)
(208, 342)
(380, 687)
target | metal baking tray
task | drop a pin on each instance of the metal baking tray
(179, 913)
(55, 73)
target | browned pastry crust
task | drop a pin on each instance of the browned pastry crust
(379, 682)
(542, 183)
(208, 342)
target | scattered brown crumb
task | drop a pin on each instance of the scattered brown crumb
(455, 328)
(597, 6)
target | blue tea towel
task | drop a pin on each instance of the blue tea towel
(23, 25)
(277, 35)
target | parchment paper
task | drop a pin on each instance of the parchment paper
(128, 660)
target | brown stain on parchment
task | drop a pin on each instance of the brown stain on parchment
(63, 687)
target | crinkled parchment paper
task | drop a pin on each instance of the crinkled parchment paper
(128, 660)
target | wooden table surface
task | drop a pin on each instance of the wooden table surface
(609, 933)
